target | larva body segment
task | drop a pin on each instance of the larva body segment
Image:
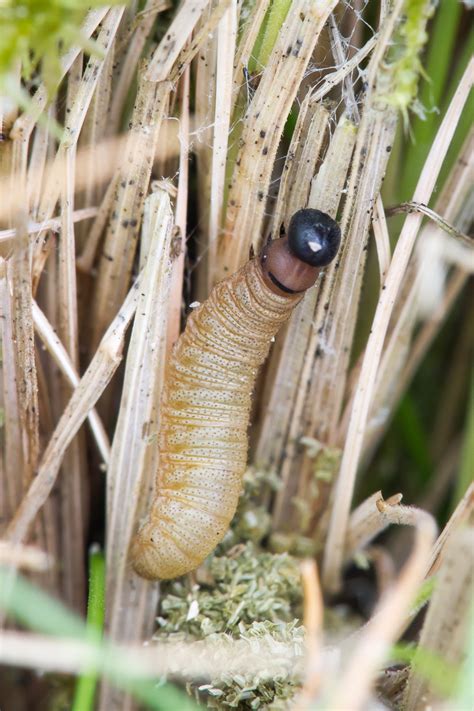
(205, 415)
(207, 397)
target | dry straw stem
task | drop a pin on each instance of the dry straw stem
(176, 37)
(365, 388)
(18, 284)
(444, 631)
(264, 657)
(95, 127)
(54, 224)
(313, 622)
(382, 239)
(129, 478)
(42, 144)
(263, 126)
(12, 457)
(26, 557)
(375, 639)
(462, 514)
(226, 39)
(144, 24)
(370, 518)
(48, 336)
(204, 112)
(176, 290)
(90, 388)
(300, 164)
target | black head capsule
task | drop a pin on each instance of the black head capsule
(313, 237)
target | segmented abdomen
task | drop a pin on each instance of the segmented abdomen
(205, 415)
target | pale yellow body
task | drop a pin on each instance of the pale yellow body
(204, 422)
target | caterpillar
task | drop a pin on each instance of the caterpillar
(207, 397)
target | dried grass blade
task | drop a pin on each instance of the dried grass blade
(12, 454)
(131, 601)
(90, 388)
(300, 165)
(181, 210)
(354, 685)
(313, 622)
(72, 496)
(95, 129)
(179, 32)
(19, 284)
(204, 112)
(369, 519)
(226, 38)
(144, 25)
(462, 514)
(54, 224)
(27, 557)
(62, 359)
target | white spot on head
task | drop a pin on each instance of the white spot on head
(314, 246)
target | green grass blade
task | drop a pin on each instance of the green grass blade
(268, 34)
(87, 682)
(466, 469)
(465, 697)
(413, 437)
(441, 675)
(36, 610)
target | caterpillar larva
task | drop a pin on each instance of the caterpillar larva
(207, 397)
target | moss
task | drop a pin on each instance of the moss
(241, 593)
